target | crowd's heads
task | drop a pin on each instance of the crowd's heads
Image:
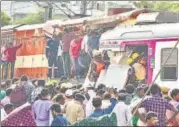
(155, 89)
(151, 119)
(8, 108)
(11, 44)
(41, 83)
(93, 33)
(79, 97)
(56, 109)
(107, 96)
(75, 92)
(101, 87)
(130, 88)
(165, 91)
(63, 87)
(122, 91)
(100, 92)
(121, 97)
(15, 80)
(140, 90)
(8, 83)
(24, 78)
(66, 30)
(79, 86)
(59, 98)
(69, 93)
(97, 102)
(9, 91)
(175, 94)
(45, 93)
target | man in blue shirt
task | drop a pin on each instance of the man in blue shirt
(59, 120)
(51, 52)
(97, 103)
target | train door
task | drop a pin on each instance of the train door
(142, 50)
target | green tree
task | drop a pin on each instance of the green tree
(143, 4)
(5, 19)
(171, 6)
(167, 6)
(32, 18)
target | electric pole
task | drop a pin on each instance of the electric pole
(83, 8)
(48, 10)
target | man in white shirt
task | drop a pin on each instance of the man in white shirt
(122, 111)
(106, 101)
(84, 43)
(89, 106)
(60, 62)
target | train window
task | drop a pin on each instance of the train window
(170, 70)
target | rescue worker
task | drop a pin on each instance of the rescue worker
(137, 73)
(97, 66)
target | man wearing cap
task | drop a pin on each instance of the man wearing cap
(69, 95)
(75, 111)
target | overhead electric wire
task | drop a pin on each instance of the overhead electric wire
(18, 8)
(69, 16)
(68, 8)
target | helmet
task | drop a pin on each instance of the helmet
(135, 55)
(129, 61)
(164, 89)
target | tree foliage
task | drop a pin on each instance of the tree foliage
(32, 18)
(5, 19)
(171, 6)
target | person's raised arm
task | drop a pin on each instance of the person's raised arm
(110, 108)
(18, 46)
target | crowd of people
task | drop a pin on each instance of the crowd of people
(26, 102)
(70, 51)
(31, 102)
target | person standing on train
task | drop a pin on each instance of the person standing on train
(75, 48)
(60, 62)
(67, 37)
(51, 53)
(10, 54)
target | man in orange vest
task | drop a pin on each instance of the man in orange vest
(97, 66)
